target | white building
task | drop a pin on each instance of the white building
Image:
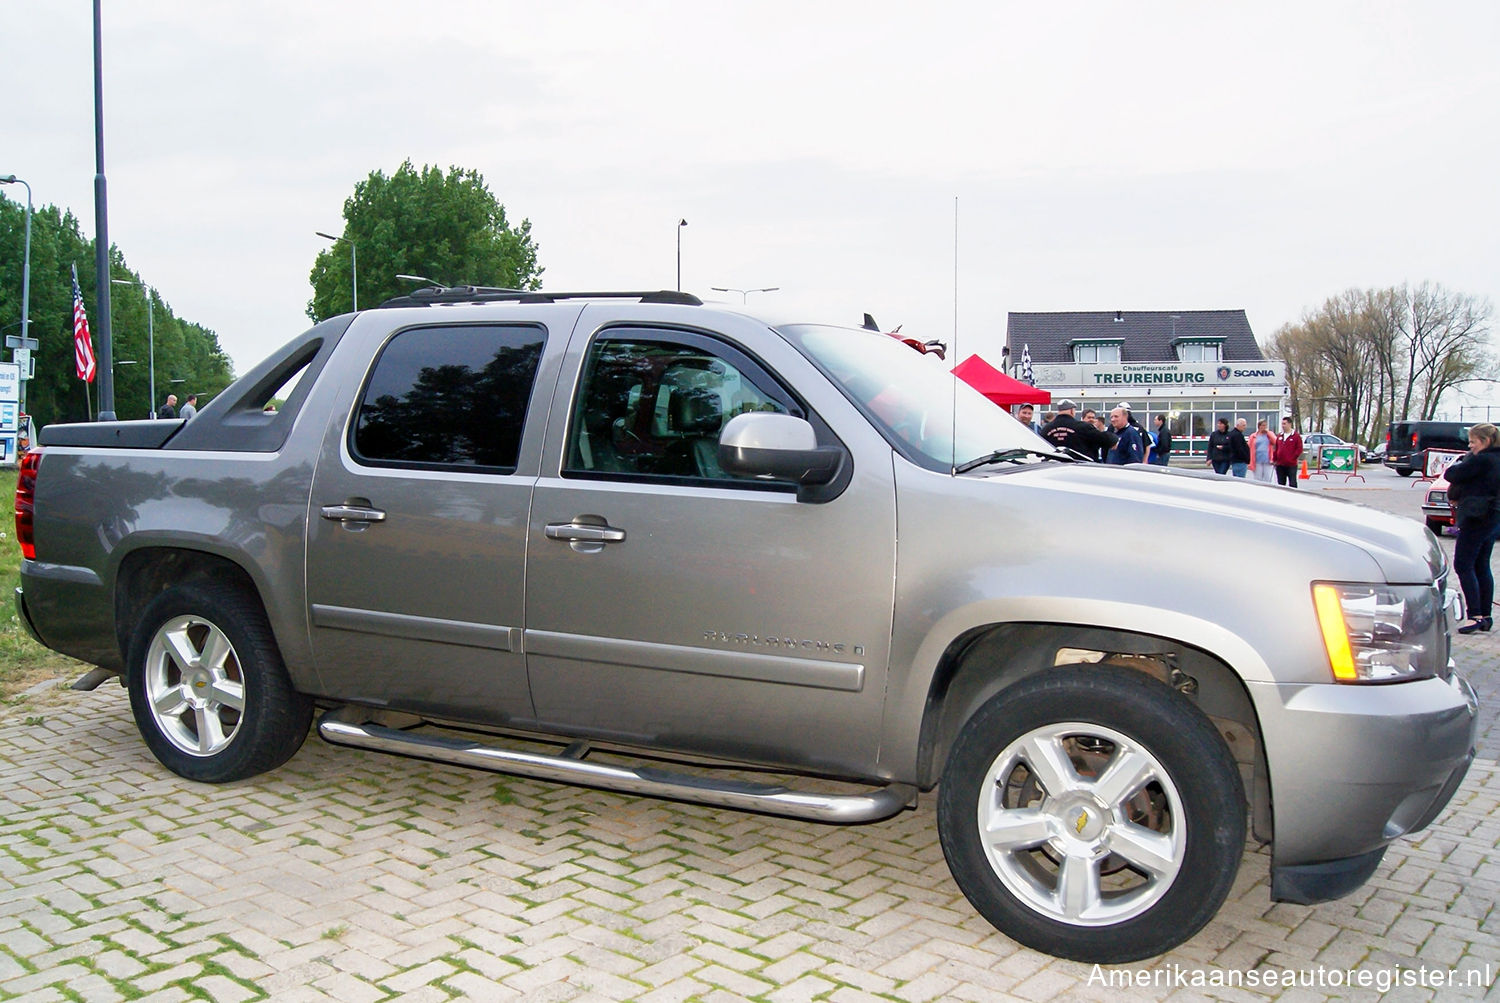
(1194, 366)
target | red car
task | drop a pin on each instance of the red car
(1436, 508)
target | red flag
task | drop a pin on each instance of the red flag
(83, 347)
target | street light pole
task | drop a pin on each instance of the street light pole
(150, 334)
(680, 224)
(11, 179)
(353, 264)
(744, 293)
(105, 370)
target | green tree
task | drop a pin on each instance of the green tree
(184, 350)
(447, 227)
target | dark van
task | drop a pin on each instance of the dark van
(1406, 441)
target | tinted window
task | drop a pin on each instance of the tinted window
(655, 408)
(445, 397)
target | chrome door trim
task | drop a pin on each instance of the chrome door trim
(421, 628)
(754, 666)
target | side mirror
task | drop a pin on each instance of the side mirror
(780, 447)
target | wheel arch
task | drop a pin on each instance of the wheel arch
(145, 573)
(989, 659)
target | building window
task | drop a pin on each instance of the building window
(1199, 351)
(1096, 351)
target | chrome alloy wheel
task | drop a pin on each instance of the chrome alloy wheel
(1082, 824)
(195, 685)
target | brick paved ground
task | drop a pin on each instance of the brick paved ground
(351, 876)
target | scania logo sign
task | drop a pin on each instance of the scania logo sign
(1223, 373)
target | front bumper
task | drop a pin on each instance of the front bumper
(1354, 767)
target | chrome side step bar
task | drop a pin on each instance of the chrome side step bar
(882, 802)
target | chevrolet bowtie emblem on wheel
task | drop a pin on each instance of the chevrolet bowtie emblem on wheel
(1083, 820)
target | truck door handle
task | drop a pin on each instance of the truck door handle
(577, 532)
(352, 513)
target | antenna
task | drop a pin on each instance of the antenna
(953, 424)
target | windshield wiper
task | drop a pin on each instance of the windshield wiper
(1010, 456)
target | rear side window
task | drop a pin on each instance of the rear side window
(453, 397)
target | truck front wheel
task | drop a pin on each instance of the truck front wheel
(1093, 814)
(208, 689)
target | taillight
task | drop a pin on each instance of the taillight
(1414, 440)
(26, 502)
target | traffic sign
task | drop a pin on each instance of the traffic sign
(16, 341)
(22, 358)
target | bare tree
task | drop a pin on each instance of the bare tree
(1381, 355)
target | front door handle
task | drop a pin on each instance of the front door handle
(578, 532)
(352, 513)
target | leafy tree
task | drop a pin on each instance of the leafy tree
(447, 227)
(185, 351)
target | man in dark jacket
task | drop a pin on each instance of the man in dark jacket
(1128, 447)
(1239, 449)
(1067, 432)
(1161, 450)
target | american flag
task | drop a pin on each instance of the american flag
(83, 347)
(1026, 365)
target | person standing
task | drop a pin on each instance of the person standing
(1067, 432)
(1474, 490)
(1239, 449)
(190, 406)
(1288, 452)
(1027, 417)
(1262, 448)
(1220, 455)
(169, 409)
(1091, 417)
(1161, 448)
(1128, 447)
(1140, 431)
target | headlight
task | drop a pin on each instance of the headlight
(1381, 633)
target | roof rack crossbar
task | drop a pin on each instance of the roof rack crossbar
(490, 294)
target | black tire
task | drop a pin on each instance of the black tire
(1405, 473)
(225, 717)
(1182, 815)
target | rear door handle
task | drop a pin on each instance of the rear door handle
(352, 513)
(578, 532)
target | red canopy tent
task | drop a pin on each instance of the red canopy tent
(998, 387)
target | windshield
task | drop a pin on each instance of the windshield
(912, 398)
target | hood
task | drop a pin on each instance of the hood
(1404, 550)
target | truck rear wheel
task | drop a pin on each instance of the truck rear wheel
(208, 689)
(1093, 814)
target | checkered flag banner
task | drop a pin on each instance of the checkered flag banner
(1026, 365)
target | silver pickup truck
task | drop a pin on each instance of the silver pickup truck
(698, 541)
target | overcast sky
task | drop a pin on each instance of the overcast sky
(1143, 156)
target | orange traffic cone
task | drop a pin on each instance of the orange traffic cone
(1303, 476)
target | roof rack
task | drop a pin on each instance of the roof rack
(433, 295)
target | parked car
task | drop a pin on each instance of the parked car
(1312, 441)
(687, 538)
(1436, 508)
(1406, 441)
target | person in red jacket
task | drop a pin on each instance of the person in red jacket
(1288, 453)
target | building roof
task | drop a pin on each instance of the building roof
(1147, 335)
